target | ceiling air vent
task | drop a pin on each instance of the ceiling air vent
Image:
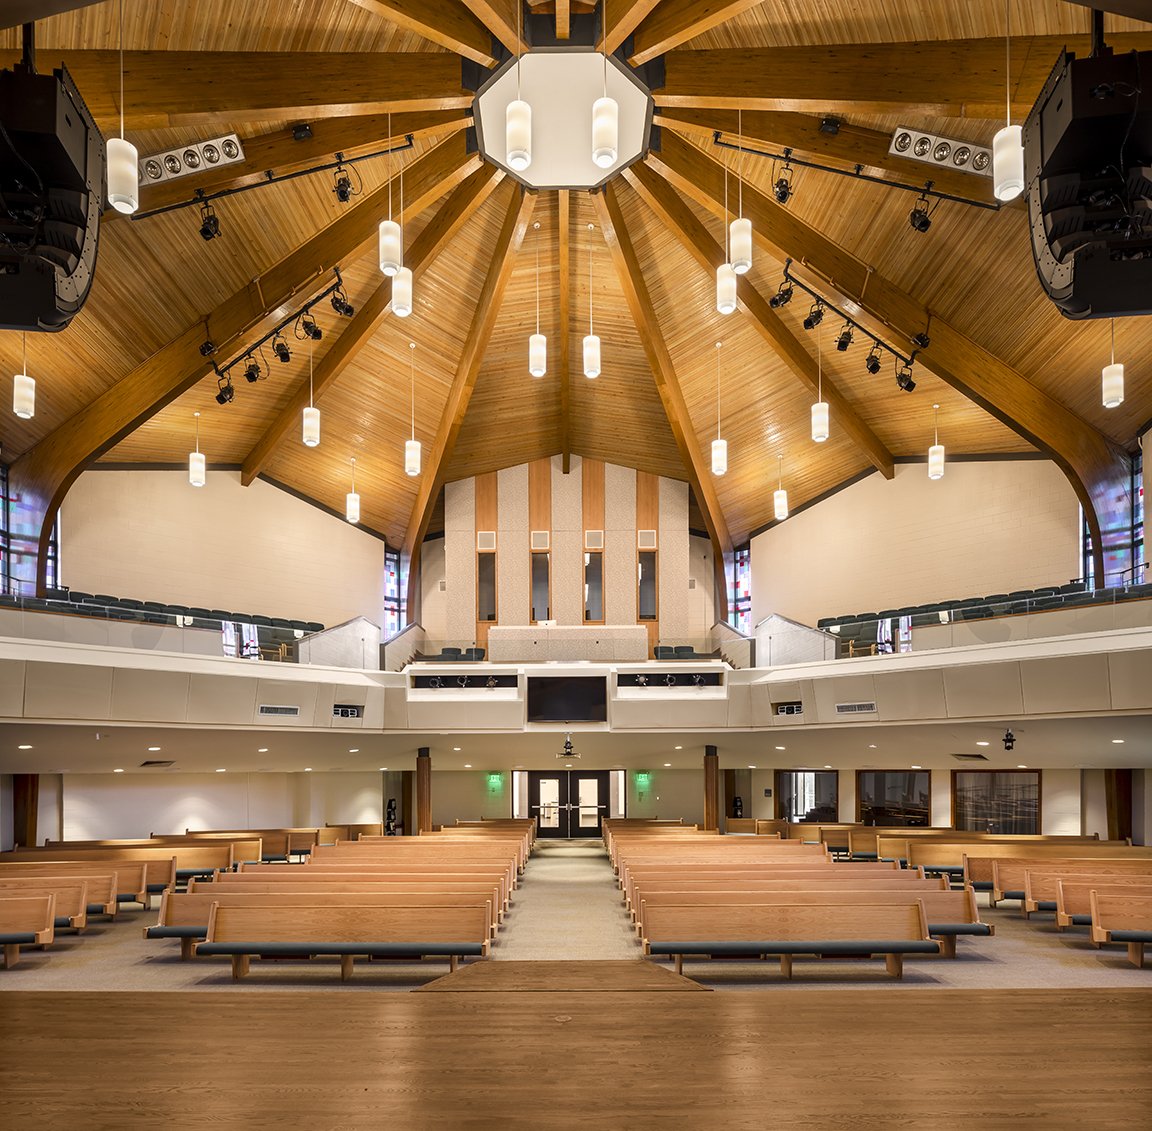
(970, 757)
(156, 764)
(282, 712)
(855, 708)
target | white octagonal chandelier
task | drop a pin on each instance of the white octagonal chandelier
(562, 85)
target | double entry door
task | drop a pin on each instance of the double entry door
(568, 803)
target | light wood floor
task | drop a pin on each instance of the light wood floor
(599, 1060)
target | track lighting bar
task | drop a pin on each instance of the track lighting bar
(856, 174)
(820, 304)
(270, 178)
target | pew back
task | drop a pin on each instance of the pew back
(25, 920)
(129, 878)
(70, 893)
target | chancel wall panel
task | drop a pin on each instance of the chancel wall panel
(619, 545)
(512, 555)
(460, 560)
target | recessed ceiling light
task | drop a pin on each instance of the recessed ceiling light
(467, 765)
(917, 767)
(117, 771)
(153, 749)
(307, 769)
(781, 748)
(354, 750)
(827, 767)
(871, 745)
(983, 744)
(677, 747)
(567, 765)
(221, 771)
(262, 750)
(1117, 742)
(1021, 766)
(751, 767)
(23, 747)
(456, 749)
(383, 768)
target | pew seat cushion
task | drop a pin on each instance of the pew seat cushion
(377, 949)
(187, 932)
(959, 929)
(8, 938)
(1131, 936)
(800, 946)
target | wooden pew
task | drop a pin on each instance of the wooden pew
(1122, 918)
(184, 915)
(1034, 884)
(278, 844)
(1073, 905)
(25, 920)
(978, 862)
(130, 878)
(70, 893)
(946, 854)
(181, 860)
(99, 890)
(386, 932)
(948, 913)
(790, 929)
(461, 847)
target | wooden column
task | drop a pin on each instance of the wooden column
(423, 791)
(711, 789)
(25, 802)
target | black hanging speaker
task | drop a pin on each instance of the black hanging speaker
(1088, 168)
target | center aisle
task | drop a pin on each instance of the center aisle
(567, 905)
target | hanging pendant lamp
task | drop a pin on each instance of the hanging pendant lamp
(820, 408)
(725, 275)
(412, 446)
(1008, 144)
(1112, 384)
(591, 340)
(197, 465)
(719, 445)
(605, 127)
(123, 159)
(780, 496)
(518, 117)
(311, 434)
(352, 499)
(537, 343)
(24, 388)
(936, 451)
(391, 238)
(740, 230)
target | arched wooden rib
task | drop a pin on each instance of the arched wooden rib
(446, 22)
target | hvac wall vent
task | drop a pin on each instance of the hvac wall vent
(156, 764)
(485, 540)
(970, 757)
(539, 539)
(347, 711)
(283, 712)
(646, 539)
(691, 583)
(443, 585)
(593, 539)
(855, 708)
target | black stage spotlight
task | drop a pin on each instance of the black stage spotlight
(281, 350)
(225, 393)
(872, 361)
(209, 223)
(341, 305)
(844, 339)
(343, 187)
(782, 189)
(782, 297)
(904, 378)
(1009, 739)
(815, 316)
(919, 218)
(311, 330)
(252, 371)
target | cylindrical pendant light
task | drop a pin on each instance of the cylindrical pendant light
(936, 451)
(402, 292)
(197, 465)
(740, 230)
(311, 434)
(518, 120)
(123, 160)
(719, 445)
(780, 496)
(605, 127)
(1112, 385)
(412, 446)
(725, 288)
(352, 499)
(537, 343)
(1008, 144)
(391, 253)
(24, 389)
(591, 339)
(820, 408)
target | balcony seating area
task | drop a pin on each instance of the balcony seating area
(679, 652)
(453, 656)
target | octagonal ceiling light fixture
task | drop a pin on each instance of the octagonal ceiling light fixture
(562, 85)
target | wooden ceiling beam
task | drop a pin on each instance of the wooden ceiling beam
(643, 311)
(1099, 471)
(849, 147)
(563, 19)
(677, 21)
(503, 258)
(280, 153)
(564, 223)
(43, 474)
(695, 238)
(459, 208)
(502, 19)
(621, 19)
(445, 22)
(187, 88)
(961, 78)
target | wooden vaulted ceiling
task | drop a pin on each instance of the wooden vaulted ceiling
(1010, 375)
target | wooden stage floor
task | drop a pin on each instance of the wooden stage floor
(256, 1059)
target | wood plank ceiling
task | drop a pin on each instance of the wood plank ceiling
(261, 67)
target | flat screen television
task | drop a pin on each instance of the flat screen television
(567, 699)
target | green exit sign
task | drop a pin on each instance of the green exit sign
(495, 781)
(643, 779)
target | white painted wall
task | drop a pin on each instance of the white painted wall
(433, 602)
(149, 535)
(987, 527)
(1060, 802)
(701, 601)
(50, 808)
(1093, 804)
(466, 795)
(670, 794)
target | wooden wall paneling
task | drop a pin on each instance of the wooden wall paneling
(1098, 470)
(466, 198)
(564, 252)
(175, 88)
(500, 17)
(592, 494)
(563, 19)
(659, 195)
(711, 789)
(676, 21)
(423, 791)
(445, 22)
(43, 475)
(620, 19)
(963, 78)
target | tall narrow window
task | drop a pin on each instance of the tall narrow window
(894, 797)
(541, 589)
(996, 801)
(807, 795)
(486, 587)
(740, 590)
(594, 587)
(646, 573)
(393, 609)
